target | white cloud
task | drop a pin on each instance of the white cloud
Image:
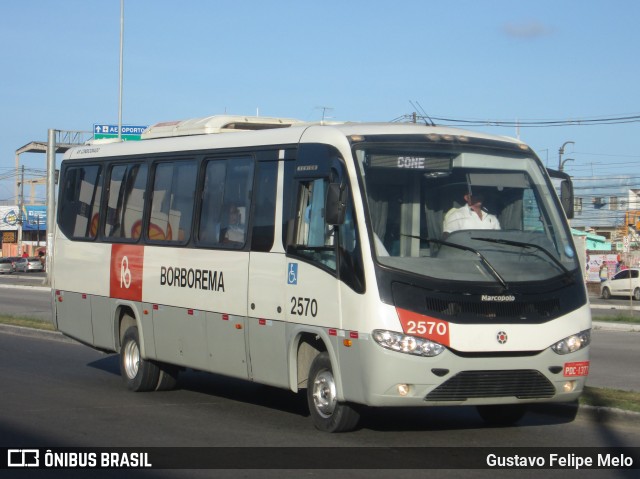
(530, 29)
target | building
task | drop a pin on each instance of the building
(608, 206)
(606, 223)
(33, 223)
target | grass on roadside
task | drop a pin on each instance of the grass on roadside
(27, 322)
(603, 397)
(619, 318)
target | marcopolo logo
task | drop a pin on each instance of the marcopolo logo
(498, 299)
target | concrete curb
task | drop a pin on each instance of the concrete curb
(35, 333)
(609, 415)
(595, 414)
(25, 286)
(623, 327)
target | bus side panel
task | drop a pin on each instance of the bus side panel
(74, 316)
(227, 345)
(180, 336)
(268, 352)
(266, 329)
(358, 311)
(81, 267)
(102, 321)
(267, 277)
(203, 279)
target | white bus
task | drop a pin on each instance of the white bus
(310, 256)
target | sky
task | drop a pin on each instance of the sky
(490, 61)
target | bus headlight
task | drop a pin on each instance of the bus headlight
(573, 343)
(406, 344)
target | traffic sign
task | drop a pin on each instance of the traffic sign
(129, 132)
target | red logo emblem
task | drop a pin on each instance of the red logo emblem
(502, 337)
(126, 272)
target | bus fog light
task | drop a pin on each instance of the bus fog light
(404, 389)
(569, 386)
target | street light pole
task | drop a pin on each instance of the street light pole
(564, 161)
(121, 70)
(561, 152)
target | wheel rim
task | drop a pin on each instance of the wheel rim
(324, 393)
(131, 359)
(636, 295)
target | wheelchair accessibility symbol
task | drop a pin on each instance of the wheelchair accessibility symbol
(293, 273)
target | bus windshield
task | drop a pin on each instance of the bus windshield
(464, 213)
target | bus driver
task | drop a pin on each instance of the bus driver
(470, 216)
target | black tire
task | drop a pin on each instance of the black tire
(168, 377)
(636, 294)
(606, 294)
(139, 374)
(502, 414)
(327, 413)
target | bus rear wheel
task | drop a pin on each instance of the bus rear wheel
(327, 413)
(139, 374)
(502, 414)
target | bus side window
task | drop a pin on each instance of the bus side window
(312, 237)
(80, 203)
(172, 202)
(226, 203)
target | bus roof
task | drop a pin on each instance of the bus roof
(215, 124)
(210, 132)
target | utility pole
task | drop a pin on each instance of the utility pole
(121, 70)
(20, 208)
(51, 200)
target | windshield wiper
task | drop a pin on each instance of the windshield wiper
(555, 260)
(483, 260)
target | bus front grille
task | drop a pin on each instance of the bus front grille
(520, 383)
(533, 310)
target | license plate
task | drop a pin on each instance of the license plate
(580, 368)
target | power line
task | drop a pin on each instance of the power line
(609, 120)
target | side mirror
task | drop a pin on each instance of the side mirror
(335, 206)
(566, 191)
(566, 197)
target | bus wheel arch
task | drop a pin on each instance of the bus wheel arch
(125, 319)
(327, 412)
(308, 346)
(139, 374)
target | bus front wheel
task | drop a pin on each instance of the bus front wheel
(139, 374)
(327, 413)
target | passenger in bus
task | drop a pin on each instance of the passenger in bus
(235, 229)
(470, 216)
